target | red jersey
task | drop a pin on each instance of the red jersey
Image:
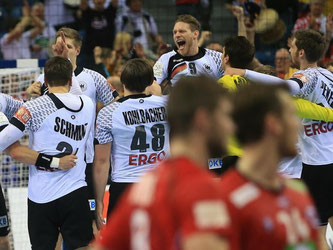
(174, 201)
(264, 219)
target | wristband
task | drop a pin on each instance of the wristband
(47, 161)
(44, 160)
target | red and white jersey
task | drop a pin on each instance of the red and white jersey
(58, 125)
(172, 65)
(9, 105)
(176, 200)
(316, 137)
(265, 219)
(138, 129)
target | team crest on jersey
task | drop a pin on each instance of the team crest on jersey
(208, 68)
(83, 86)
(302, 77)
(23, 115)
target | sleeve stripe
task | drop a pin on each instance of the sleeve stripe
(3, 127)
(300, 83)
(17, 123)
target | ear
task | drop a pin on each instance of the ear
(196, 34)
(272, 125)
(301, 53)
(78, 50)
(225, 59)
(45, 82)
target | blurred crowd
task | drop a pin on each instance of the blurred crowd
(117, 30)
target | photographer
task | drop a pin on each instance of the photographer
(139, 24)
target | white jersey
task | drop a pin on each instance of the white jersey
(172, 66)
(96, 87)
(58, 125)
(316, 137)
(138, 129)
(9, 105)
(291, 167)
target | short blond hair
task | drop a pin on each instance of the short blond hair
(71, 34)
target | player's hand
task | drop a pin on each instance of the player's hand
(60, 47)
(234, 71)
(237, 11)
(67, 162)
(34, 90)
(99, 215)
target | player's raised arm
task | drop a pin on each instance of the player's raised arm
(257, 77)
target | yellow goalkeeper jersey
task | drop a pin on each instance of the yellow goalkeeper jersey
(304, 109)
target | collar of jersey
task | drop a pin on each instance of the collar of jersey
(199, 55)
(136, 96)
(59, 104)
(78, 70)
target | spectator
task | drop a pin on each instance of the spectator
(283, 64)
(16, 43)
(314, 20)
(139, 24)
(41, 43)
(215, 46)
(99, 25)
(101, 55)
(123, 44)
(190, 7)
(58, 15)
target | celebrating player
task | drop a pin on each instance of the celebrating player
(59, 123)
(134, 131)
(68, 44)
(189, 59)
(177, 205)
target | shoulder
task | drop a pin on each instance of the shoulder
(166, 56)
(237, 190)
(215, 55)
(213, 52)
(109, 109)
(95, 75)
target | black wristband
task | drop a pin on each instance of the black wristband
(44, 161)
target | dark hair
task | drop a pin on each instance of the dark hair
(252, 103)
(137, 75)
(189, 95)
(58, 71)
(312, 42)
(239, 50)
(191, 20)
(71, 34)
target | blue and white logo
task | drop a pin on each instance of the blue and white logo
(215, 163)
(92, 205)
